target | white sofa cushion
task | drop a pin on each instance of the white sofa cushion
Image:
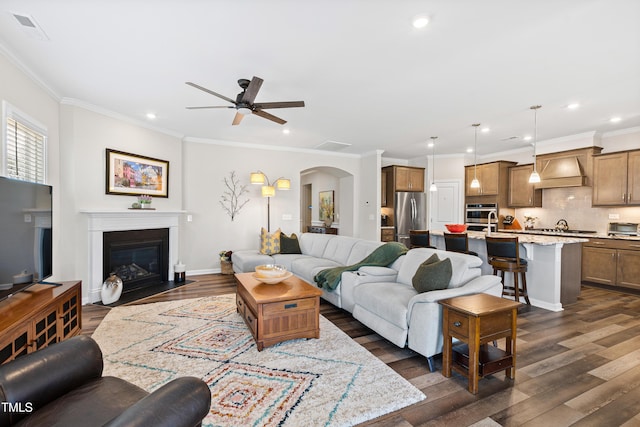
(465, 267)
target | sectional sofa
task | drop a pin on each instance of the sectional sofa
(382, 298)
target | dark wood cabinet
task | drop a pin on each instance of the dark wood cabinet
(321, 230)
(401, 178)
(616, 179)
(40, 316)
(611, 262)
(387, 235)
(522, 193)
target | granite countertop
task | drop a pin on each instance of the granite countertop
(582, 235)
(537, 239)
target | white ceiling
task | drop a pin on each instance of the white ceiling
(368, 78)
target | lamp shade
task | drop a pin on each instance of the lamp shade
(283, 184)
(268, 191)
(475, 183)
(534, 177)
(257, 178)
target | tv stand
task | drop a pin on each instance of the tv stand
(43, 315)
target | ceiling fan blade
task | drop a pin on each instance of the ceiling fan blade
(204, 89)
(287, 104)
(210, 106)
(237, 119)
(268, 116)
(252, 90)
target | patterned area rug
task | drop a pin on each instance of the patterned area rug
(331, 381)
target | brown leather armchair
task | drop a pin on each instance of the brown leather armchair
(63, 385)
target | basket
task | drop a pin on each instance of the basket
(226, 267)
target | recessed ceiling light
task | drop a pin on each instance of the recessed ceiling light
(469, 150)
(151, 116)
(527, 138)
(573, 106)
(286, 131)
(420, 21)
(615, 119)
(429, 144)
(485, 130)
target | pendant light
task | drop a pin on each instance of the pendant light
(475, 183)
(535, 177)
(433, 187)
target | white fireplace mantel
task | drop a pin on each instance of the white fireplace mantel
(100, 221)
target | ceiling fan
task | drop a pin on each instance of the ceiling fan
(244, 101)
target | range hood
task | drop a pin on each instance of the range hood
(561, 172)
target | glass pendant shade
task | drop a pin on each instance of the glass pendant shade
(534, 177)
(433, 187)
(475, 183)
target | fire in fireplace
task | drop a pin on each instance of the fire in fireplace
(139, 257)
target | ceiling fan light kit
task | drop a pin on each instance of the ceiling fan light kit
(244, 104)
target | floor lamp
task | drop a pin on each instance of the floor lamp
(269, 189)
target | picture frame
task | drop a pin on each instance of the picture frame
(326, 208)
(134, 175)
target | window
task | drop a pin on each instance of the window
(24, 148)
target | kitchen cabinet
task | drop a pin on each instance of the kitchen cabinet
(522, 193)
(383, 188)
(494, 183)
(387, 234)
(612, 262)
(616, 179)
(403, 178)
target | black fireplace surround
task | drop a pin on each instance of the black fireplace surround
(139, 257)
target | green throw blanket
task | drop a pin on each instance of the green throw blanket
(382, 256)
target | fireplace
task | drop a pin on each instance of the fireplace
(139, 257)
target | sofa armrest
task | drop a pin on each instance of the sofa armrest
(183, 402)
(386, 273)
(43, 376)
(482, 284)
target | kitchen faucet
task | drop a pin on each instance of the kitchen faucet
(495, 214)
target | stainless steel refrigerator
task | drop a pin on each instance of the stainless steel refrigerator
(410, 214)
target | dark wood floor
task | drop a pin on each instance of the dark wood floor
(577, 367)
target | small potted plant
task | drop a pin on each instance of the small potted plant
(226, 266)
(145, 201)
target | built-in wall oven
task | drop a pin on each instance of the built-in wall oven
(477, 216)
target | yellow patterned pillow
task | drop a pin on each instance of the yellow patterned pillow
(269, 242)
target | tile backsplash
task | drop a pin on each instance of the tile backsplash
(574, 205)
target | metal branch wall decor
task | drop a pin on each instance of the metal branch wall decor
(230, 199)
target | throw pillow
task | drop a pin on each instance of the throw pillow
(269, 242)
(289, 244)
(433, 274)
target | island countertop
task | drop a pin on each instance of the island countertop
(537, 239)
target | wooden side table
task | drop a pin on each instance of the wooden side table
(476, 320)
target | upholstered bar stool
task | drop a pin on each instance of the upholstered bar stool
(458, 242)
(419, 239)
(503, 254)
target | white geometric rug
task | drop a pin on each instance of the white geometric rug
(330, 381)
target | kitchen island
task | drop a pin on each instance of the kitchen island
(553, 274)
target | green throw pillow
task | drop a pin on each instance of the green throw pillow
(289, 244)
(433, 274)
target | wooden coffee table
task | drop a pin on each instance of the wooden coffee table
(275, 313)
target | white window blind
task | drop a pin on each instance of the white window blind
(25, 154)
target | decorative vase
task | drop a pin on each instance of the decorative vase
(328, 222)
(111, 289)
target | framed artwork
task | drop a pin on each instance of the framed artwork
(326, 205)
(134, 175)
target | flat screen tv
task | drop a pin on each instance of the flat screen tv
(25, 234)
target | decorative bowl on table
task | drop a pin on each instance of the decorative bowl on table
(456, 228)
(271, 273)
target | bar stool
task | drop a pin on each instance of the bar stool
(419, 239)
(503, 254)
(458, 242)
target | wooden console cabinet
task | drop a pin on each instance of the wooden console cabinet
(39, 316)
